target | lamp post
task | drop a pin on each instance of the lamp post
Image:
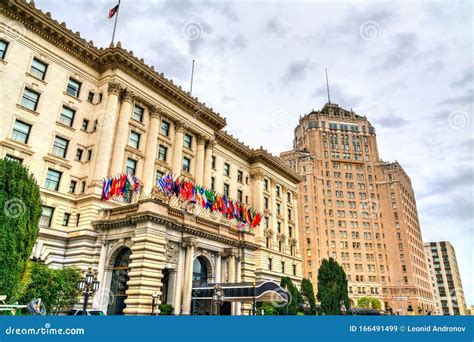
(88, 285)
(217, 297)
(343, 307)
(154, 297)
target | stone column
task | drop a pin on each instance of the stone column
(122, 133)
(218, 268)
(171, 286)
(284, 210)
(190, 244)
(146, 268)
(100, 300)
(179, 282)
(296, 227)
(199, 169)
(238, 305)
(177, 162)
(107, 132)
(151, 150)
(208, 164)
(232, 268)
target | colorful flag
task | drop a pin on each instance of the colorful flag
(113, 11)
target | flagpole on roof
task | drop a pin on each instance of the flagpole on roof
(192, 79)
(115, 24)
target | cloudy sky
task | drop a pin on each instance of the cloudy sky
(407, 66)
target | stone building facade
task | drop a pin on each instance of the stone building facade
(445, 278)
(74, 114)
(358, 210)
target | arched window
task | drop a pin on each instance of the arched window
(199, 271)
(118, 285)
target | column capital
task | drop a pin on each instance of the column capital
(155, 112)
(230, 252)
(180, 126)
(273, 183)
(189, 241)
(201, 140)
(211, 143)
(128, 95)
(257, 175)
(114, 88)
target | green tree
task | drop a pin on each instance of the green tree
(20, 210)
(57, 288)
(295, 299)
(268, 309)
(369, 303)
(332, 287)
(307, 292)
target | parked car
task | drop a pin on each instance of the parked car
(363, 312)
(90, 312)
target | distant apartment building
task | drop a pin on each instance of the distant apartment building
(445, 278)
(359, 210)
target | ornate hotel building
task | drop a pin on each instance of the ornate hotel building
(445, 278)
(75, 114)
(359, 210)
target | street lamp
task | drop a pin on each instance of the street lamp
(154, 297)
(88, 285)
(217, 297)
(343, 307)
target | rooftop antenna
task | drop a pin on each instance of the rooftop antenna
(192, 78)
(327, 86)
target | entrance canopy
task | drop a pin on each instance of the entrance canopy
(243, 292)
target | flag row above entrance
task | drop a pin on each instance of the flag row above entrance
(210, 200)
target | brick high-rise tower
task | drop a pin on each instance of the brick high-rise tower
(358, 210)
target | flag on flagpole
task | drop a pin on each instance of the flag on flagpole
(113, 11)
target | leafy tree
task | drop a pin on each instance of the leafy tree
(268, 308)
(295, 299)
(369, 303)
(20, 210)
(165, 309)
(332, 287)
(307, 292)
(57, 288)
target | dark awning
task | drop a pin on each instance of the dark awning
(241, 292)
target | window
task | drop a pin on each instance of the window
(265, 202)
(137, 113)
(265, 184)
(159, 175)
(226, 190)
(226, 169)
(165, 128)
(21, 132)
(270, 264)
(53, 178)
(213, 183)
(30, 99)
(294, 269)
(90, 97)
(79, 154)
(3, 49)
(78, 219)
(186, 164)
(73, 87)
(89, 154)
(240, 176)
(213, 162)
(240, 196)
(85, 124)
(188, 141)
(282, 267)
(72, 187)
(131, 166)
(288, 197)
(162, 152)
(67, 116)
(83, 187)
(134, 140)
(60, 147)
(38, 68)
(277, 190)
(13, 159)
(46, 216)
(66, 218)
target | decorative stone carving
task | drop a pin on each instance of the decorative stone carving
(201, 140)
(180, 126)
(155, 112)
(172, 249)
(114, 88)
(281, 237)
(211, 143)
(128, 95)
(269, 233)
(292, 242)
(257, 175)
